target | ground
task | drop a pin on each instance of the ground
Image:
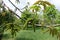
(30, 35)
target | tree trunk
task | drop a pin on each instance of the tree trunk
(34, 27)
(1, 35)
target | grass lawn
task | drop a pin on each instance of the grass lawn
(31, 35)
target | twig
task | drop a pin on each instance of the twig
(15, 6)
(12, 11)
(54, 25)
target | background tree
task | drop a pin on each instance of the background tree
(49, 16)
(30, 19)
(7, 22)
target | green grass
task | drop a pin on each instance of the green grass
(31, 35)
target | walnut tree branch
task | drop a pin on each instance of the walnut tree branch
(12, 11)
(15, 6)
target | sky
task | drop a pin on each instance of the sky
(56, 3)
(24, 2)
(21, 5)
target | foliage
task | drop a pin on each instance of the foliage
(7, 22)
(30, 18)
(17, 1)
(58, 17)
(35, 8)
(50, 17)
(37, 5)
(50, 14)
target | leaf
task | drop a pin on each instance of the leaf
(44, 2)
(35, 7)
(17, 1)
(3, 14)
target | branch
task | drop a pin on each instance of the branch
(54, 25)
(15, 6)
(12, 11)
